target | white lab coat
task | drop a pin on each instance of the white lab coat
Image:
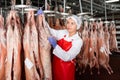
(77, 43)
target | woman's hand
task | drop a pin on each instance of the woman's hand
(52, 41)
(39, 12)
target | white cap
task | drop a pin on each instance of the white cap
(77, 20)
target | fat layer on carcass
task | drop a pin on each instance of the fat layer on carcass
(13, 35)
(44, 46)
(33, 66)
(2, 48)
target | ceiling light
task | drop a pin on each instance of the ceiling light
(21, 6)
(48, 11)
(30, 9)
(110, 1)
(74, 3)
(68, 7)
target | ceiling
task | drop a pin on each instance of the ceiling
(98, 6)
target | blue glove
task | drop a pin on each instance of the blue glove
(39, 12)
(52, 41)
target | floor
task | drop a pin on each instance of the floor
(114, 63)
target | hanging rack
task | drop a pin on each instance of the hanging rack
(47, 11)
(83, 15)
(64, 14)
(21, 5)
(29, 3)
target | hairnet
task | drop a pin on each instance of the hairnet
(77, 20)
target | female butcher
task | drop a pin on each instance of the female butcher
(67, 45)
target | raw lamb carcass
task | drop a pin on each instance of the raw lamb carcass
(102, 50)
(13, 35)
(2, 48)
(44, 46)
(33, 66)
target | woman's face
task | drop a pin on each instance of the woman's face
(71, 26)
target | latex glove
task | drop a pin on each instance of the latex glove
(52, 41)
(39, 12)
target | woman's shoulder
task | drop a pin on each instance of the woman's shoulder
(61, 33)
(77, 39)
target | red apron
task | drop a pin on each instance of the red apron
(63, 70)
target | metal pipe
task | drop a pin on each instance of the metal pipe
(50, 2)
(22, 2)
(91, 7)
(45, 4)
(95, 4)
(64, 6)
(80, 6)
(38, 3)
(5, 4)
(1, 11)
(105, 11)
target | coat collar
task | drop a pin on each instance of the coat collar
(72, 37)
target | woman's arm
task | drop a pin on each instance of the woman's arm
(52, 31)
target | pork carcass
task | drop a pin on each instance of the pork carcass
(33, 66)
(3, 49)
(44, 46)
(13, 60)
(102, 51)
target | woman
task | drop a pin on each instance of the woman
(66, 48)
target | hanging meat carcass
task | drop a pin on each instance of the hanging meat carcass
(94, 38)
(50, 20)
(102, 51)
(113, 40)
(33, 66)
(93, 61)
(3, 49)
(107, 38)
(13, 35)
(57, 24)
(44, 46)
(83, 57)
